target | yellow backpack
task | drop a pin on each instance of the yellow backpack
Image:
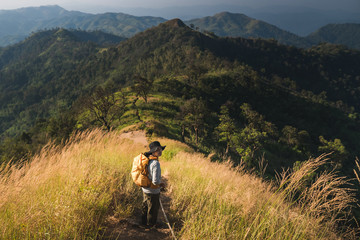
(139, 171)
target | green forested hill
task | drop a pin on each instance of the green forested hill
(98, 37)
(227, 24)
(281, 101)
(346, 34)
(40, 76)
(327, 69)
(312, 90)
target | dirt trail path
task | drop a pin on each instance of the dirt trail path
(136, 136)
(130, 228)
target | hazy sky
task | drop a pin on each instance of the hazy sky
(109, 5)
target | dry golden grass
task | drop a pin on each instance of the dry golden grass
(326, 197)
(64, 193)
(216, 201)
(357, 172)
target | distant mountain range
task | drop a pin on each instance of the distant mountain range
(346, 34)
(16, 25)
(299, 17)
(239, 25)
(304, 20)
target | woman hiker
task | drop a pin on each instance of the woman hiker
(151, 201)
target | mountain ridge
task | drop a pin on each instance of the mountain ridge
(347, 34)
(19, 23)
(186, 64)
(240, 25)
(121, 24)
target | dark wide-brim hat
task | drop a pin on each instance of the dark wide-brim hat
(154, 146)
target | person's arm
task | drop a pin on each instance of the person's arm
(155, 174)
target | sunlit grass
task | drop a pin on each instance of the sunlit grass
(65, 193)
(216, 201)
(357, 171)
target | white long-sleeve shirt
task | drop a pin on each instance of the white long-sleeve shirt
(154, 176)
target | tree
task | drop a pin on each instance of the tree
(142, 87)
(251, 138)
(105, 106)
(248, 141)
(339, 153)
(304, 140)
(290, 135)
(62, 126)
(194, 112)
(226, 130)
(194, 71)
(257, 121)
(16, 149)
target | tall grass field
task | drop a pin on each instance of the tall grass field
(67, 192)
(216, 201)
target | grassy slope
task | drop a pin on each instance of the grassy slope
(219, 202)
(66, 193)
